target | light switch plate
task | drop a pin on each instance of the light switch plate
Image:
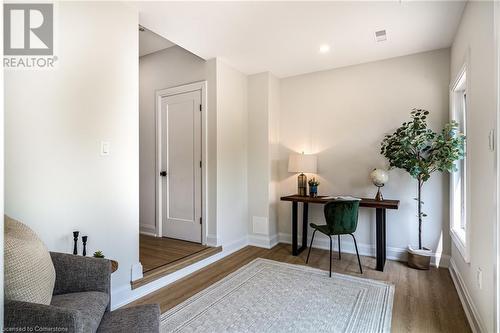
(105, 148)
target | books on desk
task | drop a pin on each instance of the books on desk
(342, 198)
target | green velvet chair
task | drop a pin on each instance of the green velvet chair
(341, 219)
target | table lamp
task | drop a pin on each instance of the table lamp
(300, 163)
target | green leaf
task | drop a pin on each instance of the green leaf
(417, 149)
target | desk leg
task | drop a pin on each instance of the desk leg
(295, 244)
(381, 250)
(305, 218)
(294, 229)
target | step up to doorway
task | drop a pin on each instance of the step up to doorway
(167, 269)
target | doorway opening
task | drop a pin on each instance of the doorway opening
(172, 157)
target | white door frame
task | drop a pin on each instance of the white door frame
(160, 94)
(496, 25)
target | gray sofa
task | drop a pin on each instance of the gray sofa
(80, 303)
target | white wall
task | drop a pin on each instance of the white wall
(232, 199)
(55, 179)
(342, 116)
(258, 156)
(476, 35)
(263, 151)
(274, 155)
(213, 237)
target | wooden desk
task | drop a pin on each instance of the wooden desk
(380, 207)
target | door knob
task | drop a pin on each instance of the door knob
(163, 173)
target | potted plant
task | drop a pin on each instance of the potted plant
(98, 254)
(420, 151)
(313, 187)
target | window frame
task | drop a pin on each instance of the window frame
(459, 108)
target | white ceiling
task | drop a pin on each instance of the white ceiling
(150, 42)
(284, 37)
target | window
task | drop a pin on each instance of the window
(458, 180)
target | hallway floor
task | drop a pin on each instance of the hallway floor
(155, 252)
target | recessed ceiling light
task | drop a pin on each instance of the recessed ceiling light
(324, 48)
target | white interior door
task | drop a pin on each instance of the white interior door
(181, 166)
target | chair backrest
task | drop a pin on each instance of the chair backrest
(342, 216)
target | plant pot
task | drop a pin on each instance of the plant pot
(419, 259)
(313, 191)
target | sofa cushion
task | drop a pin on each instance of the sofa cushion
(137, 319)
(90, 306)
(29, 272)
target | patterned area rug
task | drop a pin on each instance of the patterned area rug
(269, 296)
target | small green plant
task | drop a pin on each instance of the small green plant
(420, 151)
(313, 182)
(98, 254)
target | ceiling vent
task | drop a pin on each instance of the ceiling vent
(380, 36)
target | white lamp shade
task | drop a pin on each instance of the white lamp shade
(302, 163)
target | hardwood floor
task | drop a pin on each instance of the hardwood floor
(424, 301)
(159, 251)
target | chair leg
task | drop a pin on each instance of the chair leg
(330, 256)
(310, 246)
(357, 253)
(339, 245)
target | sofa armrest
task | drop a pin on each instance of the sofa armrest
(78, 274)
(32, 317)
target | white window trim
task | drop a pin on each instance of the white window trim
(459, 236)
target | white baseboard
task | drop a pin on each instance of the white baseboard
(470, 308)
(124, 294)
(347, 245)
(264, 241)
(212, 240)
(145, 230)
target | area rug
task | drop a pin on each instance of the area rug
(270, 296)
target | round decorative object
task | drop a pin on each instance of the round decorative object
(379, 177)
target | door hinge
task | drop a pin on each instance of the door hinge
(491, 140)
(200, 164)
(200, 107)
(200, 220)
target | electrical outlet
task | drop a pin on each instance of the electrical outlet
(479, 278)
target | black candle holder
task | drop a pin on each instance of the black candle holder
(84, 240)
(75, 239)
